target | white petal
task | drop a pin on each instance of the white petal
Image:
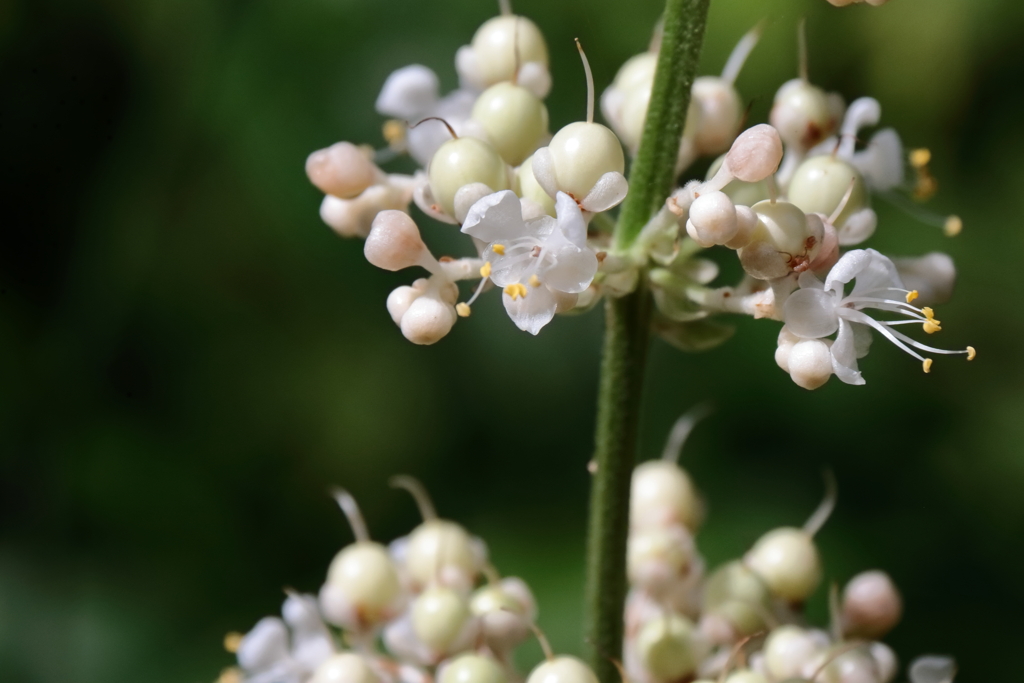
(807, 280)
(409, 93)
(573, 270)
(265, 645)
(467, 196)
(932, 275)
(532, 312)
(467, 66)
(609, 190)
(811, 313)
(496, 217)
(544, 171)
(844, 356)
(878, 275)
(570, 220)
(847, 268)
(536, 78)
(932, 669)
(861, 339)
(881, 163)
(858, 227)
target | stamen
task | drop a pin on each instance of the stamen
(232, 641)
(498, 249)
(534, 281)
(927, 365)
(953, 226)
(516, 290)
(394, 133)
(911, 295)
(485, 270)
(463, 310)
(971, 353)
(919, 158)
(476, 295)
(740, 53)
(590, 82)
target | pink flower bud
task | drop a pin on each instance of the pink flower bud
(756, 154)
(394, 242)
(342, 170)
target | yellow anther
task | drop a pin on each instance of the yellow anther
(911, 295)
(928, 312)
(462, 308)
(516, 290)
(232, 641)
(394, 132)
(485, 270)
(971, 353)
(927, 365)
(919, 158)
(954, 225)
(534, 281)
(231, 675)
(498, 249)
(932, 326)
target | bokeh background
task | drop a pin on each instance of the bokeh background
(189, 358)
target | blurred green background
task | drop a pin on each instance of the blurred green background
(189, 357)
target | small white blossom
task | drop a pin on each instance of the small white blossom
(818, 310)
(540, 263)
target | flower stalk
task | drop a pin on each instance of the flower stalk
(627, 330)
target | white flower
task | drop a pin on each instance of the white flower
(270, 654)
(542, 263)
(819, 310)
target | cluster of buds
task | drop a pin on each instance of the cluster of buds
(430, 607)
(791, 198)
(743, 622)
(440, 609)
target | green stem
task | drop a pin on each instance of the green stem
(627, 330)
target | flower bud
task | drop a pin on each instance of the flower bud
(838, 666)
(342, 170)
(886, 661)
(346, 667)
(786, 342)
(755, 154)
(362, 588)
(581, 153)
(712, 219)
(514, 119)
(719, 112)
(871, 605)
(430, 317)
(667, 649)
(439, 617)
(746, 222)
(804, 114)
(394, 242)
(741, 193)
(471, 668)
(786, 558)
(402, 297)
(353, 217)
(810, 362)
(409, 93)
(264, 645)
(662, 494)
(820, 184)
(788, 649)
(746, 676)
(737, 596)
(442, 551)
(564, 669)
(658, 558)
(461, 162)
(501, 44)
(505, 610)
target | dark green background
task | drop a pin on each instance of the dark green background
(188, 357)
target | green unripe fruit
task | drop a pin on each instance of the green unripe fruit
(583, 152)
(666, 648)
(820, 183)
(472, 668)
(530, 189)
(460, 162)
(514, 118)
(503, 43)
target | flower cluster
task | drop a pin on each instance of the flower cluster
(790, 198)
(442, 613)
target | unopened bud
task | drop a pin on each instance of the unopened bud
(871, 605)
(755, 154)
(786, 558)
(810, 363)
(394, 242)
(341, 170)
(712, 220)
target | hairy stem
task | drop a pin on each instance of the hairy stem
(627, 329)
